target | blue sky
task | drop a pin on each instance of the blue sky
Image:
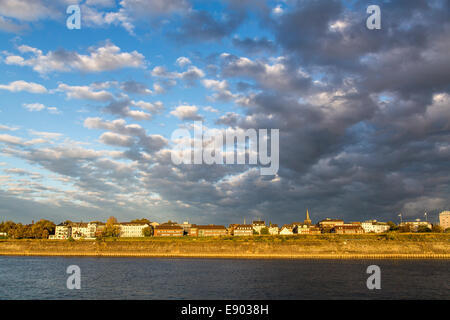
(86, 116)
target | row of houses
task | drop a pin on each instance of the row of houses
(92, 230)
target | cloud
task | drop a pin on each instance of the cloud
(34, 106)
(84, 93)
(102, 58)
(10, 26)
(7, 128)
(115, 139)
(255, 45)
(135, 87)
(119, 129)
(189, 76)
(21, 85)
(199, 25)
(6, 138)
(183, 61)
(186, 113)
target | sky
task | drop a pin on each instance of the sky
(86, 115)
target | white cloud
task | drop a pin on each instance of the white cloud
(10, 139)
(104, 58)
(186, 113)
(210, 109)
(183, 61)
(34, 106)
(20, 85)
(84, 93)
(26, 10)
(39, 107)
(7, 128)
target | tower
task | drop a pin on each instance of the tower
(307, 221)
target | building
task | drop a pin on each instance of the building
(306, 229)
(328, 224)
(274, 229)
(83, 230)
(307, 221)
(3, 234)
(132, 229)
(372, 226)
(243, 230)
(62, 231)
(154, 224)
(208, 231)
(347, 229)
(287, 229)
(414, 225)
(165, 230)
(231, 228)
(186, 227)
(258, 225)
(444, 219)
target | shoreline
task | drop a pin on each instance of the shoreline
(335, 248)
(425, 256)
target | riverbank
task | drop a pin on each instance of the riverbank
(399, 246)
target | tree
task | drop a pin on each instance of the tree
(265, 231)
(405, 228)
(143, 220)
(447, 230)
(437, 228)
(422, 229)
(147, 231)
(392, 225)
(111, 228)
(42, 228)
(255, 232)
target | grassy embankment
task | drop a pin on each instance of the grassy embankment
(326, 246)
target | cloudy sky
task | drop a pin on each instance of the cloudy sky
(86, 116)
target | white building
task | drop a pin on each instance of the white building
(62, 231)
(287, 229)
(132, 229)
(374, 226)
(414, 225)
(273, 229)
(258, 225)
(444, 219)
(83, 230)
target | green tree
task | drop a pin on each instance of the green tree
(265, 231)
(437, 228)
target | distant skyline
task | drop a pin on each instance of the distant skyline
(86, 116)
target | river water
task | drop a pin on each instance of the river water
(162, 278)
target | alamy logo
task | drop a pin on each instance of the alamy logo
(74, 20)
(374, 20)
(374, 281)
(207, 147)
(74, 280)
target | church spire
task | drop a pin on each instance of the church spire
(307, 220)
